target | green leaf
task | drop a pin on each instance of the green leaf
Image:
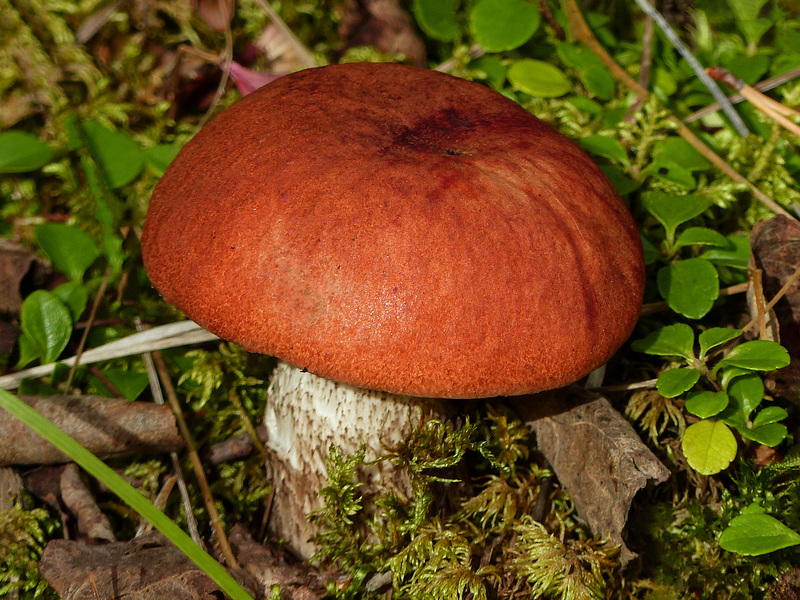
(716, 336)
(499, 25)
(599, 82)
(22, 152)
(700, 236)
(728, 374)
(675, 382)
(118, 156)
(437, 18)
(74, 296)
(159, 157)
(749, 69)
(745, 393)
(124, 490)
(47, 323)
(491, 68)
(69, 249)
(671, 172)
(605, 146)
(706, 404)
(577, 56)
(27, 349)
(671, 210)
(538, 78)
(771, 414)
(689, 286)
(672, 340)
(624, 184)
(709, 446)
(650, 252)
(757, 355)
(678, 151)
(770, 434)
(129, 382)
(754, 534)
(735, 255)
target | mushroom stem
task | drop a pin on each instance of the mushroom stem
(305, 415)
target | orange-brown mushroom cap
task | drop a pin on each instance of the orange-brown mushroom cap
(397, 229)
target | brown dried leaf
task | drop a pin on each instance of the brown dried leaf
(596, 455)
(269, 568)
(90, 521)
(216, 13)
(15, 262)
(145, 569)
(382, 24)
(775, 245)
(105, 426)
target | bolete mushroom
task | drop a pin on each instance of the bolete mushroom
(389, 228)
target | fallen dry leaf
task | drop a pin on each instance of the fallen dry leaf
(298, 580)
(15, 263)
(105, 426)
(216, 13)
(382, 24)
(89, 519)
(775, 245)
(596, 455)
(147, 568)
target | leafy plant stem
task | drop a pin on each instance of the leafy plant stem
(124, 490)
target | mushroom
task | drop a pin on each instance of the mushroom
(395, 235)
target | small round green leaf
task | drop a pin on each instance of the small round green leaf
(74, 296)
(119, 157)
(671, 210)
(605, 146)
(675, 382)
(700, 236)
(758, 355)
(745, 393)
(437, 18)
(689, 286)
(677, 150)
(771, 414)
(538, 78)
(735, 255)
(757, 534)
(706, 404)
(577, 56)
(599, 82)
(770, 434)
(499, 25)
(159, 157)
(672, 172)
(672, 340)
(47, 323)
(22, 152)
(709, 446)
(69, 249)
(716, 336)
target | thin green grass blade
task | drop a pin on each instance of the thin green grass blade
(125, 491)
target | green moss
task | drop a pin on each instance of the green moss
(23, 534)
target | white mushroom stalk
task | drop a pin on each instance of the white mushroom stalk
(305, 415)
